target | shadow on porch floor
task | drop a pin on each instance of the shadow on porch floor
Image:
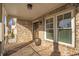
(28, 49)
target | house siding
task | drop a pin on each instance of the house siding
(63, 49)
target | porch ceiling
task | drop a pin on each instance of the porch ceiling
(20, 10)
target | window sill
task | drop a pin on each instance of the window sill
(63, 44)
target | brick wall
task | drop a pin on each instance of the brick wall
(24, 31)
(65, 50)
(77, 29)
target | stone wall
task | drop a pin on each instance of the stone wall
(63, 49)
(75, 50)
(77, 30)
(24, 31)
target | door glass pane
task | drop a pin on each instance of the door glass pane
(65, 35)
(49, 34)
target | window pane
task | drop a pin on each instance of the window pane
(59, 19)
(65, 35)
(49, 20)
(49, 23)
(67, 15)
(64, 22)
(49, 34)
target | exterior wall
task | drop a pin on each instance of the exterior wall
(24, 31)
(77, 30)
(0, 29)
(63, 49)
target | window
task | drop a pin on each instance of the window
(49, 29)
(61, 29)
(64, 28)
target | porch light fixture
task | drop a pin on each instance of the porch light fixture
(29, 6)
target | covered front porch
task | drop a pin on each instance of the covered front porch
(35, 30)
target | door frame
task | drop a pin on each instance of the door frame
(33, 27)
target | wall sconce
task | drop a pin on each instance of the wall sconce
(29, 6)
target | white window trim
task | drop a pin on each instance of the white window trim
(72, 25)
(46, 29)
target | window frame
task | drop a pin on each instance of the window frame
(56, 31)
(72, 27)
(50, 28)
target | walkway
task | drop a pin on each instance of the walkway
(28, 49)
